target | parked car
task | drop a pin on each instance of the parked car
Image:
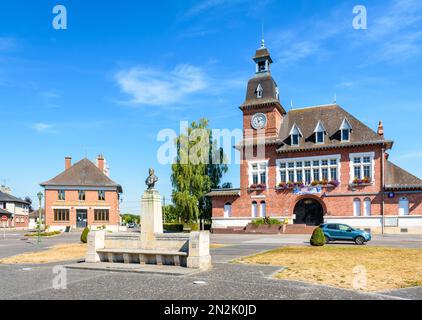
(131, 225)
(343, 232)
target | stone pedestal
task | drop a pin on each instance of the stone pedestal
(96, 240)
(199, 250)
(151, 216)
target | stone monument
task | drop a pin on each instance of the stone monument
(153, 247)
(151, 211)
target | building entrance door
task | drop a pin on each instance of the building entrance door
(309, 212)
(81, 219)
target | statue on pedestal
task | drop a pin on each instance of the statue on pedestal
(151, 180)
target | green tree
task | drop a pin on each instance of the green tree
(170, 214)
(128, 218)
(198, 168)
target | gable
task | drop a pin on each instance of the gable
(83, 173)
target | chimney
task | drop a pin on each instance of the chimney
(5, 189)
(67, 162)
(100, 162)
(380, 129)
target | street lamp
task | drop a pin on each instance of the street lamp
(40, 195)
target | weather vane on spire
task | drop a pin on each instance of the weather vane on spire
(263, 38)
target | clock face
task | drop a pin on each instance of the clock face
(259, 121)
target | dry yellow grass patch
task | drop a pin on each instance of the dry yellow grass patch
(359, 268)
(58, 253)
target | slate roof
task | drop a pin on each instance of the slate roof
(332, 117)
(262, 53)
(4, 197)
(5, 212)
(83, 173)
(269, 96)
(398, 178)
(224, 192)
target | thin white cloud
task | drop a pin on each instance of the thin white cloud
(410, 156)
(50, 98)
(147, 86)
(206, 5)
(41, 127)
(393, 35)
(8, 44)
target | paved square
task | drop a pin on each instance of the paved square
(225, 281)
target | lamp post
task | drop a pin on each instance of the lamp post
(40, 195)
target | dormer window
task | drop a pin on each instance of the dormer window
(295, 135)
(345, 130)
(345, 135)
(259, 91)
(319, 133)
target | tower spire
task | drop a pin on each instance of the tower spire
(262, 37)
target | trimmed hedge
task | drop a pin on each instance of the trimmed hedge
(84, 235)
(318, 238)
(43, 234)
(173, 227)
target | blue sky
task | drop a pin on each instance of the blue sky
(122, 72)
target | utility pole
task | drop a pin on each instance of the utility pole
(164, 208)
(40, 195)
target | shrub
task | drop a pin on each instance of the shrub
(258, 222)
(84, 235)
(318, 238)
(173, 227)
(266, 221)
(192, 226)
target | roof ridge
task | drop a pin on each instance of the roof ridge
(316, 106)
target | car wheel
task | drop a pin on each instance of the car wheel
(327, 240)
(360, 241)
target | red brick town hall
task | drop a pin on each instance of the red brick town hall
(314, 165)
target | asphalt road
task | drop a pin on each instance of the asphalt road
(224, 281)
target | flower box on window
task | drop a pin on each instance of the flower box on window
(288, 186)
(325, 184)
(362, 182)
(258, 187)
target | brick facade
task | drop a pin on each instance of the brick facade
(273, 144)
(62, 197)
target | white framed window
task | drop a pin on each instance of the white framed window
(308, 170)
(227, 210)
(254, 209)
(295, 135)
(345, 130)
(367, 207)
(263, 209)
(403, 206)
(258, 172)
(319, 133)
(362, 166)
(357, 207)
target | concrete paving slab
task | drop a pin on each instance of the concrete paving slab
(133, 268)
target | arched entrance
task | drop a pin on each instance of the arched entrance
(309, 211)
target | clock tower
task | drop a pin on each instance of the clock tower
(262, 110)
